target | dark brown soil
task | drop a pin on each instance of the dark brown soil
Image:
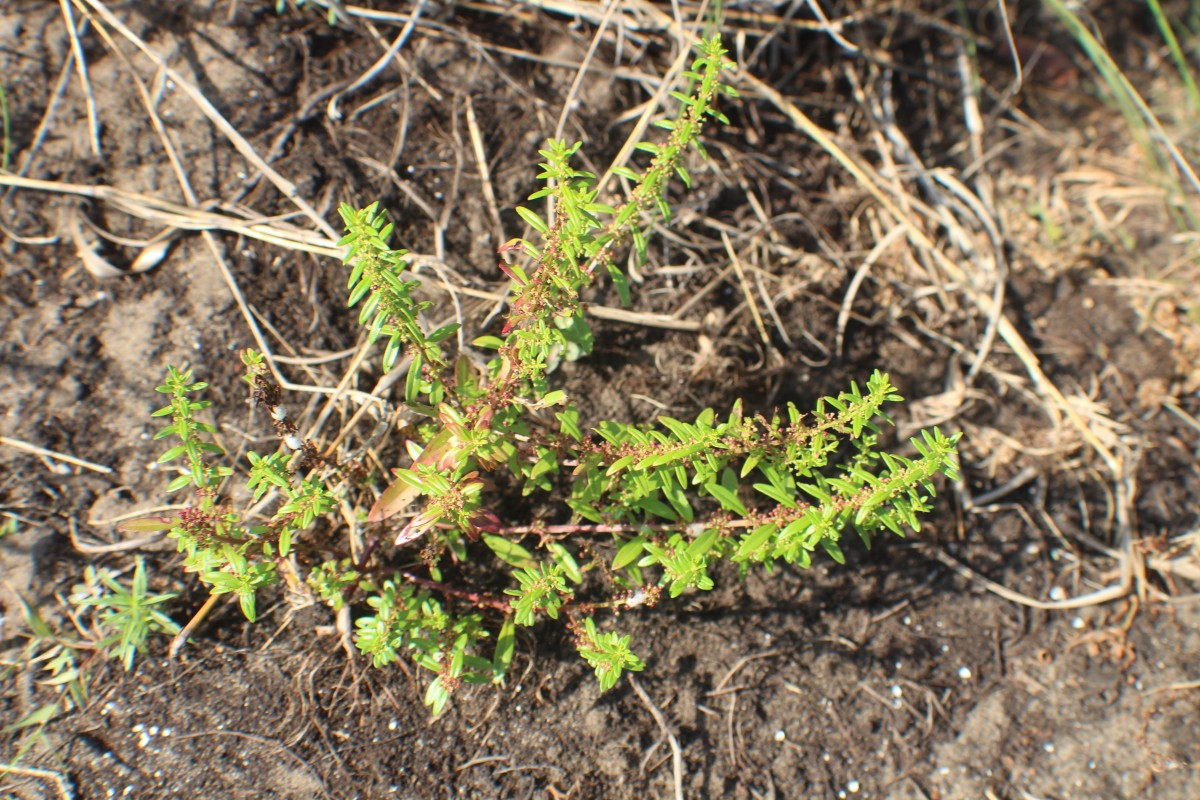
(894, 677)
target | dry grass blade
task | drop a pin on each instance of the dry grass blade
(1004, 326)
(175, 215)
(660, 720)
(60, 781)
(82, 70)
(63, 457)
(239, 142)
(1099, 597)
(380, 64)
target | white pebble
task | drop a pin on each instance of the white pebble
(1057, 593)
(293, 442)
(853, 787)
(897, 691)
(780, 735)
(964, 673)
(1078, 623)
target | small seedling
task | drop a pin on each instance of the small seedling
(125, 616)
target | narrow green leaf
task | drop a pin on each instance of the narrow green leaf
(778, 495)
(628, 553)
(657, 508)
(443, 333)
(506, 646)
(536, 222)
(752, 543)
(562, 556)
(703, 543)
(412, 383)
(509, 551)
(834, 551)
(728, 500)
(38, 716)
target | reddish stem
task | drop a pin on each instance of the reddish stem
(475, 598)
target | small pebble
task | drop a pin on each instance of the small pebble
(964, 673)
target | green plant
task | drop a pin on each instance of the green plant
(111, 621)
(1169, 163)
(125, 616)
(647, 509)
(56, 655)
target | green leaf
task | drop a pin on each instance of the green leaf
(752, 543)
(618, 465)
(728, 500)
(436, 697)
(412, 384)
(703, 543)
(179, 483)
(506, 646)
(619, 281)
(562, 556)
(536, 222)
(147, 525)
(442, 333)
(246, 600)
(509, 551)
(778, 495)
(34, 619)
(629, 552)
(555, 398)
(586, 511)
(568, 419)
(750, 464)
(39, 716)
(173, 453)
(658, 508)
(835, 552)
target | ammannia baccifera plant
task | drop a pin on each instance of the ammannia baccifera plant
(647, 510)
